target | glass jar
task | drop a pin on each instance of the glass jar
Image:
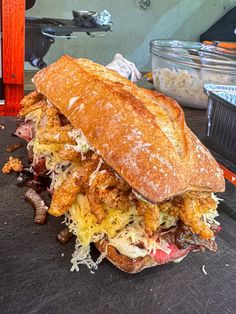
(181, 68)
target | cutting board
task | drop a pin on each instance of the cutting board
(35, 272)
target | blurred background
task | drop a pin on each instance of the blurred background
(133, 26)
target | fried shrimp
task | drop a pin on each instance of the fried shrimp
(65, 195)
(50, 130)
(52, 118)
(189, 208)
(107, 189)
(69, 154)
(89, 168)
(57, 134)
(151, 216)
(112, 191)
(28, 101)
(41, 104)
(96, 206)
(195, 205)
(115, 198)
(192, 218)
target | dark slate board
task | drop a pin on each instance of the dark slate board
(35, 277)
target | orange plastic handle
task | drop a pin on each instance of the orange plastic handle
(223, 44)
(229, 175)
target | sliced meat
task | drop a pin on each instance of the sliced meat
(39, 167)
(162, 257)
(25, 131)
(184, 237)
(50, 191)
(30, 153)
(20, 120)
(202, 243)
(151, 216)
(182, 241)
(215, 228)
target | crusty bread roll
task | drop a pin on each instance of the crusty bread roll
(141, 134)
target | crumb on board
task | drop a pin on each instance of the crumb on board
(62, 254)
(13, 164)
(64, 235)
(13, 147)
(204, 270)
(2, 127)
(227, 265)
(20, 178)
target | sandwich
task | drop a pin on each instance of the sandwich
(125, 170)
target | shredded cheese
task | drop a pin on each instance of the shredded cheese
(84, 225)
(59, 174)
(139, 196)
(204, 270)
(56, 166)
(82, 255)
(82, 144)
(93, 175)
(210, 216)
(216, 199)
(34, 115)
(123, 230)
(135, 234)
(167, 220)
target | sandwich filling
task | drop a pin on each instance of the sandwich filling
(99, 205)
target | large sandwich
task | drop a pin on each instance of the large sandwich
(126, 171)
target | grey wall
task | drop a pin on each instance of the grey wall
(133, 28)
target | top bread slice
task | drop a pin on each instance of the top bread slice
(140, 133)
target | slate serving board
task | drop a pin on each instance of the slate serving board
(35, 272)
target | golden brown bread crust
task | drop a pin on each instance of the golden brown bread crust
(141, 134)
(124, 263)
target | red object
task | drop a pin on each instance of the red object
(162, 258)
(218, 229)
(13, 39)
(229, 175)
